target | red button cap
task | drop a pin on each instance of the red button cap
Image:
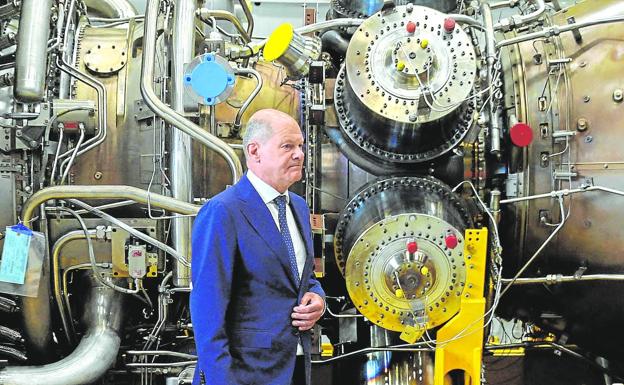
(451, 241)
(521, 134)
(449, 24)
(412, 247)
(410, 27)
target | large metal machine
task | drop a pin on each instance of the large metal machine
(463, 170)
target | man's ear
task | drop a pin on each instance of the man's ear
(252, 150)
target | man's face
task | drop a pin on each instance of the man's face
(279, 160)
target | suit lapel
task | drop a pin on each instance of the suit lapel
(259, 217)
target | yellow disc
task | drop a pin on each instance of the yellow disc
(424, 43)
(278, 42)
(399, 293)
(424, 270)
(400, 65)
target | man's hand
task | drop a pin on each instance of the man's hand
(308, 312)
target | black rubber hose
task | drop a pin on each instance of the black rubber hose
(334, 43)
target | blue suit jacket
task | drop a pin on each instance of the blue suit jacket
(244, 290)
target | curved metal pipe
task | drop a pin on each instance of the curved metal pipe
(105, 192)
(205, 14)
(111, 9)
(516, 21)
(248, 16)
(30, 56)
(166, 112)
(102, 107)
(96, 352)
(56, 277)
(241, 111)
(558, 29)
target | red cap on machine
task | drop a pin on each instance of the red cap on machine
(451, 241)
(412, 247)
(410, 27)
(521, 134)
(449, 24)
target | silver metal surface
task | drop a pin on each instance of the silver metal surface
(111, 9)
(402, 96)
(95, 353)
(169, 115)
(180, 161)
(383, 198)
(31, 55)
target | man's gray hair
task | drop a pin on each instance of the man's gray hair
(257, 129)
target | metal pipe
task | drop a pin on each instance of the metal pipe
(161, 353)
(553, 279)
(490, 50)
(65, 288)
(111, 9)
(73, 156)
(539, 250)
(564, 192)
(30, 56)
(205, 14)
(557, 29)
(160, 364)
(105, 192)
(181, 258)
(465, 19)
(164, 111)
(56, 280)
(254, 93)
(248, 16)
(516, 21)
(180, 160)
(102, 107)
(96, 352)
(252, 49)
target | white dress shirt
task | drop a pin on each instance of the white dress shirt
(268, 194)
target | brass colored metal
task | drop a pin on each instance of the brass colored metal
(388, 286)
(106, 59)
(104, 192)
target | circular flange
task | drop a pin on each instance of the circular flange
(439, 67)
(394, 289)
(209, 79)
(105, 58)
(394, 196)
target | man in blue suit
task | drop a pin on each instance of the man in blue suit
(254, 297)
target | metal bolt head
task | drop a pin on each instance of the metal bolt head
(413, 117)
(586, 98)
(97, 175)
(409, 7)
(582, 124)
(589, 139)
(618, 95)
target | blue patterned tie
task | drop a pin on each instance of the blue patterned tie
(283, 224)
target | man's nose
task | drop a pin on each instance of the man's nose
(298, 153)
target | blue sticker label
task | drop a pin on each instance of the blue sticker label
(15, 254)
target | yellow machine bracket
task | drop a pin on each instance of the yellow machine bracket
(460, 341)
